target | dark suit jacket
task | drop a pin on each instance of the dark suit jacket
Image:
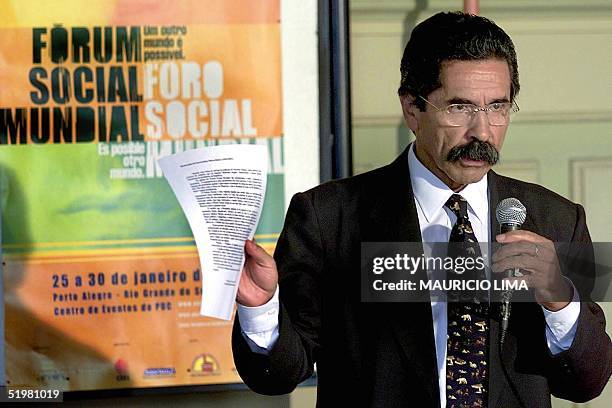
(383, 354)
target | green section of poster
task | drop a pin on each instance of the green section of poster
(67, 193)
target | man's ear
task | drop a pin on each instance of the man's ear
(410, 112)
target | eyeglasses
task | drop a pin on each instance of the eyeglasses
(461, 114)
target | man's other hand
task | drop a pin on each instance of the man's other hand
(259, 276)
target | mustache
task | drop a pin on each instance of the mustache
(475, 150)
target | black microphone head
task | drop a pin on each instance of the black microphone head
(510, 211)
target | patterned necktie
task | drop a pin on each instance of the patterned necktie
(467, 344)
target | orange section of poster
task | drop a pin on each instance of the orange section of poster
(109, 324)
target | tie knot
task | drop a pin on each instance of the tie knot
(458, 205)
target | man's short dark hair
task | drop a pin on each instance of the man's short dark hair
(447, 37)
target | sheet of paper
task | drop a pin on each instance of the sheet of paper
(221, 190)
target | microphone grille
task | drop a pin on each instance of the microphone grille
(511, 211)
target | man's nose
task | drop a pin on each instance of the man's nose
(480, 127)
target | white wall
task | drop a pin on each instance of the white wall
(300, 95)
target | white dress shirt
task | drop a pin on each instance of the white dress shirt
(260, 324)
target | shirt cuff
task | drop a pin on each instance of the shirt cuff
(259, 319)
(259, 324)
(561, 325)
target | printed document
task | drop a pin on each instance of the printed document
(221, 190)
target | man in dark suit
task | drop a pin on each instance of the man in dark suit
(458, 88)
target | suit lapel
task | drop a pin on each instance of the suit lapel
(495, 370)
(498, 190)
(388, 211)
(389, 215)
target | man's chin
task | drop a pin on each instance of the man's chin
(468, 174)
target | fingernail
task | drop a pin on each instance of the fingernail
(501, 237)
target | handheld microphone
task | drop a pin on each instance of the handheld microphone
(511, 215)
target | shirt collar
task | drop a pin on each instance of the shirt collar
(431, 193)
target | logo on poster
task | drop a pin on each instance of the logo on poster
(160, 372)
(204, 364)
(121, 368)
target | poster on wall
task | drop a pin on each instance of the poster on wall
(102, 279)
